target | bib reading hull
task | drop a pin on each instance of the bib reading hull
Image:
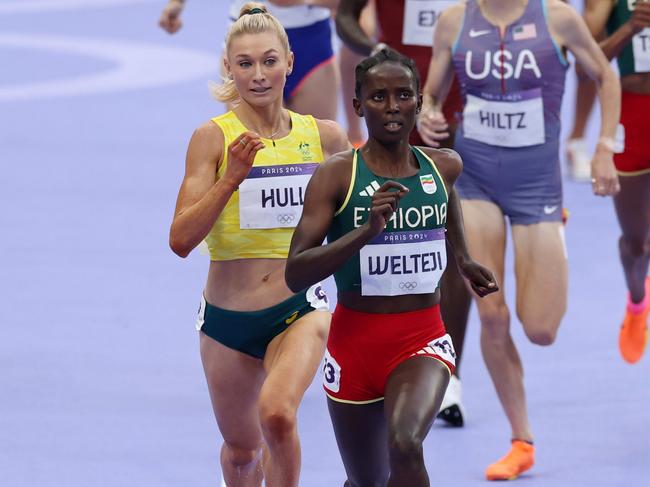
(273, 196)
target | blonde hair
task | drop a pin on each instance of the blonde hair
(254, 18)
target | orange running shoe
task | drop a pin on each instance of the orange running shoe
(520, 458)
(633, 336)
(565, 216)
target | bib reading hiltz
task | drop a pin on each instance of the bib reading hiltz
(512, 120)
(409, 256)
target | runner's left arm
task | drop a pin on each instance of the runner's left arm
(348, 27)
(480, 278)
(572, 32)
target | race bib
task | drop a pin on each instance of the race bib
(200, 320)
(317, 298)
(513, 120)
(273, 196)
(442, 346)
(331, 373)
(641, 48)
(420, 17)
(397, 263)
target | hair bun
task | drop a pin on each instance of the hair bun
(252, 8)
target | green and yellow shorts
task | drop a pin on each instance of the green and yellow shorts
(250, 332)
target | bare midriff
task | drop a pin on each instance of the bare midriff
(246, 284)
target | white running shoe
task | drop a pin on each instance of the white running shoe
(578, 160)
(452, 410)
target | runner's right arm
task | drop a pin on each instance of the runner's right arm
(170, 17)
(202, 197)
(597, 13)
(431, 123)
(348, 27)
(309, 260)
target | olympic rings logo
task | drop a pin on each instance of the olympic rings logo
(408, 286)
(286, 218)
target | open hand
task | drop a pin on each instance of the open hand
(604, 178)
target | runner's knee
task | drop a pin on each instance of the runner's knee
(405, 450)
(495, 320)
(277, 419)
(240, 457)
(542, 336)
(635, 246)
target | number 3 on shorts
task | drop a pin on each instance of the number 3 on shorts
(444, 348)
(331, 373)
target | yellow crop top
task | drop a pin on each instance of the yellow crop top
(259, 219)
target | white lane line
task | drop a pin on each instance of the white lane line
(137, 65)
(37, 6)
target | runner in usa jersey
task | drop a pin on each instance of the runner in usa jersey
(509, 58)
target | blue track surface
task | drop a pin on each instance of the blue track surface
(100, 377)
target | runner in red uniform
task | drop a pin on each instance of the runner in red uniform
(419, 16)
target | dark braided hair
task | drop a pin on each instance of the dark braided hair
(383, 56)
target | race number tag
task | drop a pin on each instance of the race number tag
(420, 17)
(397, 263)
(641, 47)
(331, 373)
(273, 196)
(442, 346)
(513, 120)
(200, 319)
(317, 298)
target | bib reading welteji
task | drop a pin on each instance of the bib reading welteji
(409, 256)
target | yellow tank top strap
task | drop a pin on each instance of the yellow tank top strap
(231, 128)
